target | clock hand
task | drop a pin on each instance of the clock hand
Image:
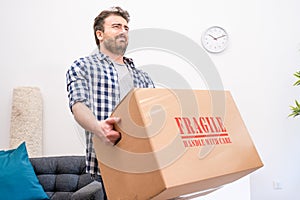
(212, 37)
(220, 36)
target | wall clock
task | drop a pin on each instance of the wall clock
(215, 39)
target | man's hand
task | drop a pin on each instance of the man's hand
(105, 131)
(102, 129)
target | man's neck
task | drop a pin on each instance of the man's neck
(114, 57)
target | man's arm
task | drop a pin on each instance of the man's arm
(103, 129)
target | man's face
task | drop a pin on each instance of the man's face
(115, 35)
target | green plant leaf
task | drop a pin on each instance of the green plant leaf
(295, 110)
(297, 103)
(297, 83)
(297, 74)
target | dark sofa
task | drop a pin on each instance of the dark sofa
(64, 177)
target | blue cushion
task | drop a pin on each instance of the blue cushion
(17, 177)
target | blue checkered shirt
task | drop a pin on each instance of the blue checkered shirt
(93, 80)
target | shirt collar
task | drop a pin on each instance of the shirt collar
(102, 56)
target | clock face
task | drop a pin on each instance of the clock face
(215, 39)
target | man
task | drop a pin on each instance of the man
(96, 83)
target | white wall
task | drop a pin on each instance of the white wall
(41, 38)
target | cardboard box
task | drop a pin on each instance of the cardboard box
(175, 142)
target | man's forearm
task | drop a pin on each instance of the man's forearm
(84, 116)
(103, 129)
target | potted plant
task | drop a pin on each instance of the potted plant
(296, 109)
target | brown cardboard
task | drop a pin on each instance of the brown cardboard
(175, 142)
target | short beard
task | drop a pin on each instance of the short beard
(111, 45)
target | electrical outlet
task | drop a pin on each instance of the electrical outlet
(277, 185)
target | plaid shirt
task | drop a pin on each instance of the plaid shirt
(93, 80)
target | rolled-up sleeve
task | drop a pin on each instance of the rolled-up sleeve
(77, 84)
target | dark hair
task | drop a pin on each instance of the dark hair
(99, 20)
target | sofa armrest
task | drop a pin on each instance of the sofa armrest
(92, 191)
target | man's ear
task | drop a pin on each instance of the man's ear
(99, 35)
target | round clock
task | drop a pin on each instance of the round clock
(215, 39)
